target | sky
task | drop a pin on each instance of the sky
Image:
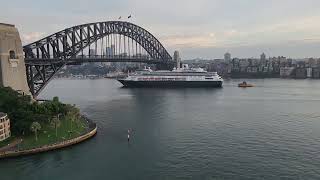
(197, 28)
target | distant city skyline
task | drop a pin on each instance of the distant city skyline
(198, 29)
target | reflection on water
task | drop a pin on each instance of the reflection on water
(269, 132)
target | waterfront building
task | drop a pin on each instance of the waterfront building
(263, 59)
(301, 73)
(244, 63)
(286, 72)
(109, 51)
(113, 50)
(309, 72)
(254, 62)
(265, 69)
(92, 52)
(123, 54)
(5, 132)
(270, 69)
(219, 61)
(252, 69)
(227, 57)
(263, 56)
(316, 73)
(284, 62)
(301, 64)
(312, 62)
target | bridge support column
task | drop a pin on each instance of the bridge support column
(12, 66)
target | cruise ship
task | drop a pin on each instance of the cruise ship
(178, 77)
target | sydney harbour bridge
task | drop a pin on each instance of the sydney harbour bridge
(111, 41)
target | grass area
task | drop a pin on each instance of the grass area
(47, 134)
(6, 142)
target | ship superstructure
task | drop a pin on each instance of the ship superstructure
(178, 77)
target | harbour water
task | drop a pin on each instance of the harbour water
(271, 131)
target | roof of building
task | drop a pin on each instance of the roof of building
(2, 114)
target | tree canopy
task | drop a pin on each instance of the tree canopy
(22, 110)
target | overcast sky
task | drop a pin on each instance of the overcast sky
(198, 28)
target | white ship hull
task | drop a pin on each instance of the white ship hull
(171, 84)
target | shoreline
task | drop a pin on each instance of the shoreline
(90, 132)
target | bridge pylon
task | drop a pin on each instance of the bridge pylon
(12, 65)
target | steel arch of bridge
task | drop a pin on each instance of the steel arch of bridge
(44, 58)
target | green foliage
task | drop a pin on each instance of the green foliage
(35, 127)
(47, 134)
(55, 123)
(23, 111)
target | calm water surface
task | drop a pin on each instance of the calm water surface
(271, 131)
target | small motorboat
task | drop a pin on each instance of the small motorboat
(245, 85)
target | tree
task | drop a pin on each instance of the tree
(55, 122)
(55, 99)
(22, 111)
(71, 117)
(74, 115)
(35, 127)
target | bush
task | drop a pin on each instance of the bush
(22, 111)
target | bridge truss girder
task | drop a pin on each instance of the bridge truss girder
(44, 58)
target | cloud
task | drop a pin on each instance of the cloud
(32, 37)
(180, 24)
(292, 30)
(189, 40)
(230, 33)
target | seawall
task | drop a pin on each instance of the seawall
(90, 133)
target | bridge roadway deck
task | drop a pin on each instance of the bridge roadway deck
(40, 61)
